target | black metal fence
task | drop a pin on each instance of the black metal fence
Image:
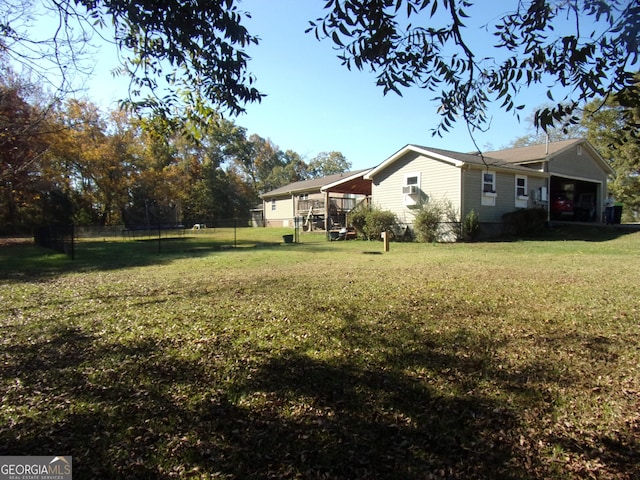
(59, 238)
(226, 232)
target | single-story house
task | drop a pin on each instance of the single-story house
(314, 203)
(494, 183)
(491, 184)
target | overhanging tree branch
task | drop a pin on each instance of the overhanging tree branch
(435, 55)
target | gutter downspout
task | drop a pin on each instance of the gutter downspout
(326, 213)
(463, 171)
(293, 207)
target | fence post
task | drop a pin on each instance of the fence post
(385, 240)
(73, 236)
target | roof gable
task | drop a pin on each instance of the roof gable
(546, 152)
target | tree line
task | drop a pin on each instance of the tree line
(186, 61)
(69, 162)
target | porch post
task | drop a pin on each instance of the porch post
(326, 212)
(293, 209)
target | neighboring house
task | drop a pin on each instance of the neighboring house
(490, 184)
(257, 215)
(494, 183)
(317, 207)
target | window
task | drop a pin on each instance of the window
(412, 180)
(411, 190)
(522, 197)
(304, 196)
(488, 197)
(521, 186)
(273, 205)
(488, 182)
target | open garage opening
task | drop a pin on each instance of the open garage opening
(576, 200)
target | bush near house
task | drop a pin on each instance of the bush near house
(378, 221)
(433, 221)
(370, 222)
(471, 227)
(357, 218)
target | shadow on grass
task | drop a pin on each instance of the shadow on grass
(568, 231)
(30, 261)
(146, 409)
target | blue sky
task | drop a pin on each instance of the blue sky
(315, 104)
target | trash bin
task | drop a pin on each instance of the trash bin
(287, 238)
(617, 214)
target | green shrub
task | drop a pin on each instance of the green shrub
(470, 226)
(435, 221)
(369, 222)
(358, 218)
(378, 221)
(524, 222)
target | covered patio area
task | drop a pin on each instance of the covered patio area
(352, 192)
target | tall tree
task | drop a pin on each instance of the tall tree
(22, 148)
(293, 169)
(225, 186)
(159, 183)
(267, 157)
(98, 162)
(328, 163)
(183, 57)
(607, 128)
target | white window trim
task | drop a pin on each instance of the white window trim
(412, 200)
(273, 205)
(526, 185)
(411, 175)
(492, 193)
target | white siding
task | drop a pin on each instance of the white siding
(283, 213)
(438, 180)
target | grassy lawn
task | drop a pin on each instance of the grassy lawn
(325, 360)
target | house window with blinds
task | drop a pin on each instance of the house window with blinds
(488, 183)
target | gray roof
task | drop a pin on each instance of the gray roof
(484, 160)
(309, 186)
(473, 158)
(533, 153)
(510, 159)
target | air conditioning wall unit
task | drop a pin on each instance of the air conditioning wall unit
(540, 194)
(410, 190)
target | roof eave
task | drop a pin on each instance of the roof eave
(326, 187)
(509, 168)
